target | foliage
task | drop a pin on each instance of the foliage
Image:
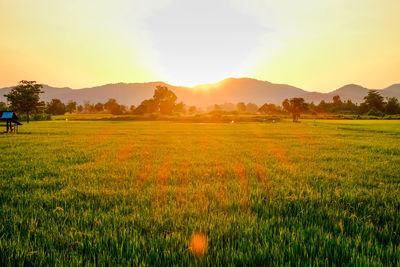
(374, 112)
(192, 109)
(164, 101)
(3, 106)
(79, 108)
(269, 109)
(336, 100)
(99, 107)
(147, 106)
(24, 98)
(36, 117)
(374, 100)
(392, 106)
(295, 106)
(180, 107)
(70, 106)
(55, 107)
(336, 106)
(217, 107)
(251, 107)
(113, 107)
(241, 107)
(133, 193)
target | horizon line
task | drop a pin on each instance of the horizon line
(211, 83)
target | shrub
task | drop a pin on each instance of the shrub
(375, 112)
(36, 117)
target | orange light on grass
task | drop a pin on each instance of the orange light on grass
(198, 244)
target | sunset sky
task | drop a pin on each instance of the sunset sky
(312, 44)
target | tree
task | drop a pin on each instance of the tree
(392, 106)
(55, 107)
(192, 109)
(147, 106)
(180, 107)
(336, 100)
(374, 100)
(79, 108)
(374, 112)
(88, 107)
(3, 106)
(350, 106)
(164, 99)
(25, 97)
(113, 107)
(251, 107)
(241, 107)
(217, 107)
(295, 106)
(227, 106)
(99, 107)
(70, 107)
(123, 109)
(363, 108)
(269, 109)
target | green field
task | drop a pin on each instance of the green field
(107, 193)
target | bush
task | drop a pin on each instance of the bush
(375, 112)
(36, 117)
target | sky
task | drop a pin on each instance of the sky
(312, 44)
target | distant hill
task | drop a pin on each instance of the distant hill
(245, 90)
(229, 90)
(393, 90)
(352, 92)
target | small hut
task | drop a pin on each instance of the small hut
(10, 118)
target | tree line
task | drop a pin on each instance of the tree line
(374, 105)
(163, 101)
(24, 98)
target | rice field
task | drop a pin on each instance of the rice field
(135, 193)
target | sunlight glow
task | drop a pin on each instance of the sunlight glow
(198, 244)
(314, 45)
(202, 42)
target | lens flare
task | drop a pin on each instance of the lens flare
(198, 244)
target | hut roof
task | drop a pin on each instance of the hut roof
(8, 115)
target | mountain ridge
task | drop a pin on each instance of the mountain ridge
(228, 90)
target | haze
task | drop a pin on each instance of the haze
(315, 45)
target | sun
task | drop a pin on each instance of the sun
(195, 75)
(202, 42)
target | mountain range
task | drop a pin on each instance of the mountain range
(229, 90)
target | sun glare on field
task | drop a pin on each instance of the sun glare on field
(198, 244)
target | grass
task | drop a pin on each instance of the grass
(118, 193)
